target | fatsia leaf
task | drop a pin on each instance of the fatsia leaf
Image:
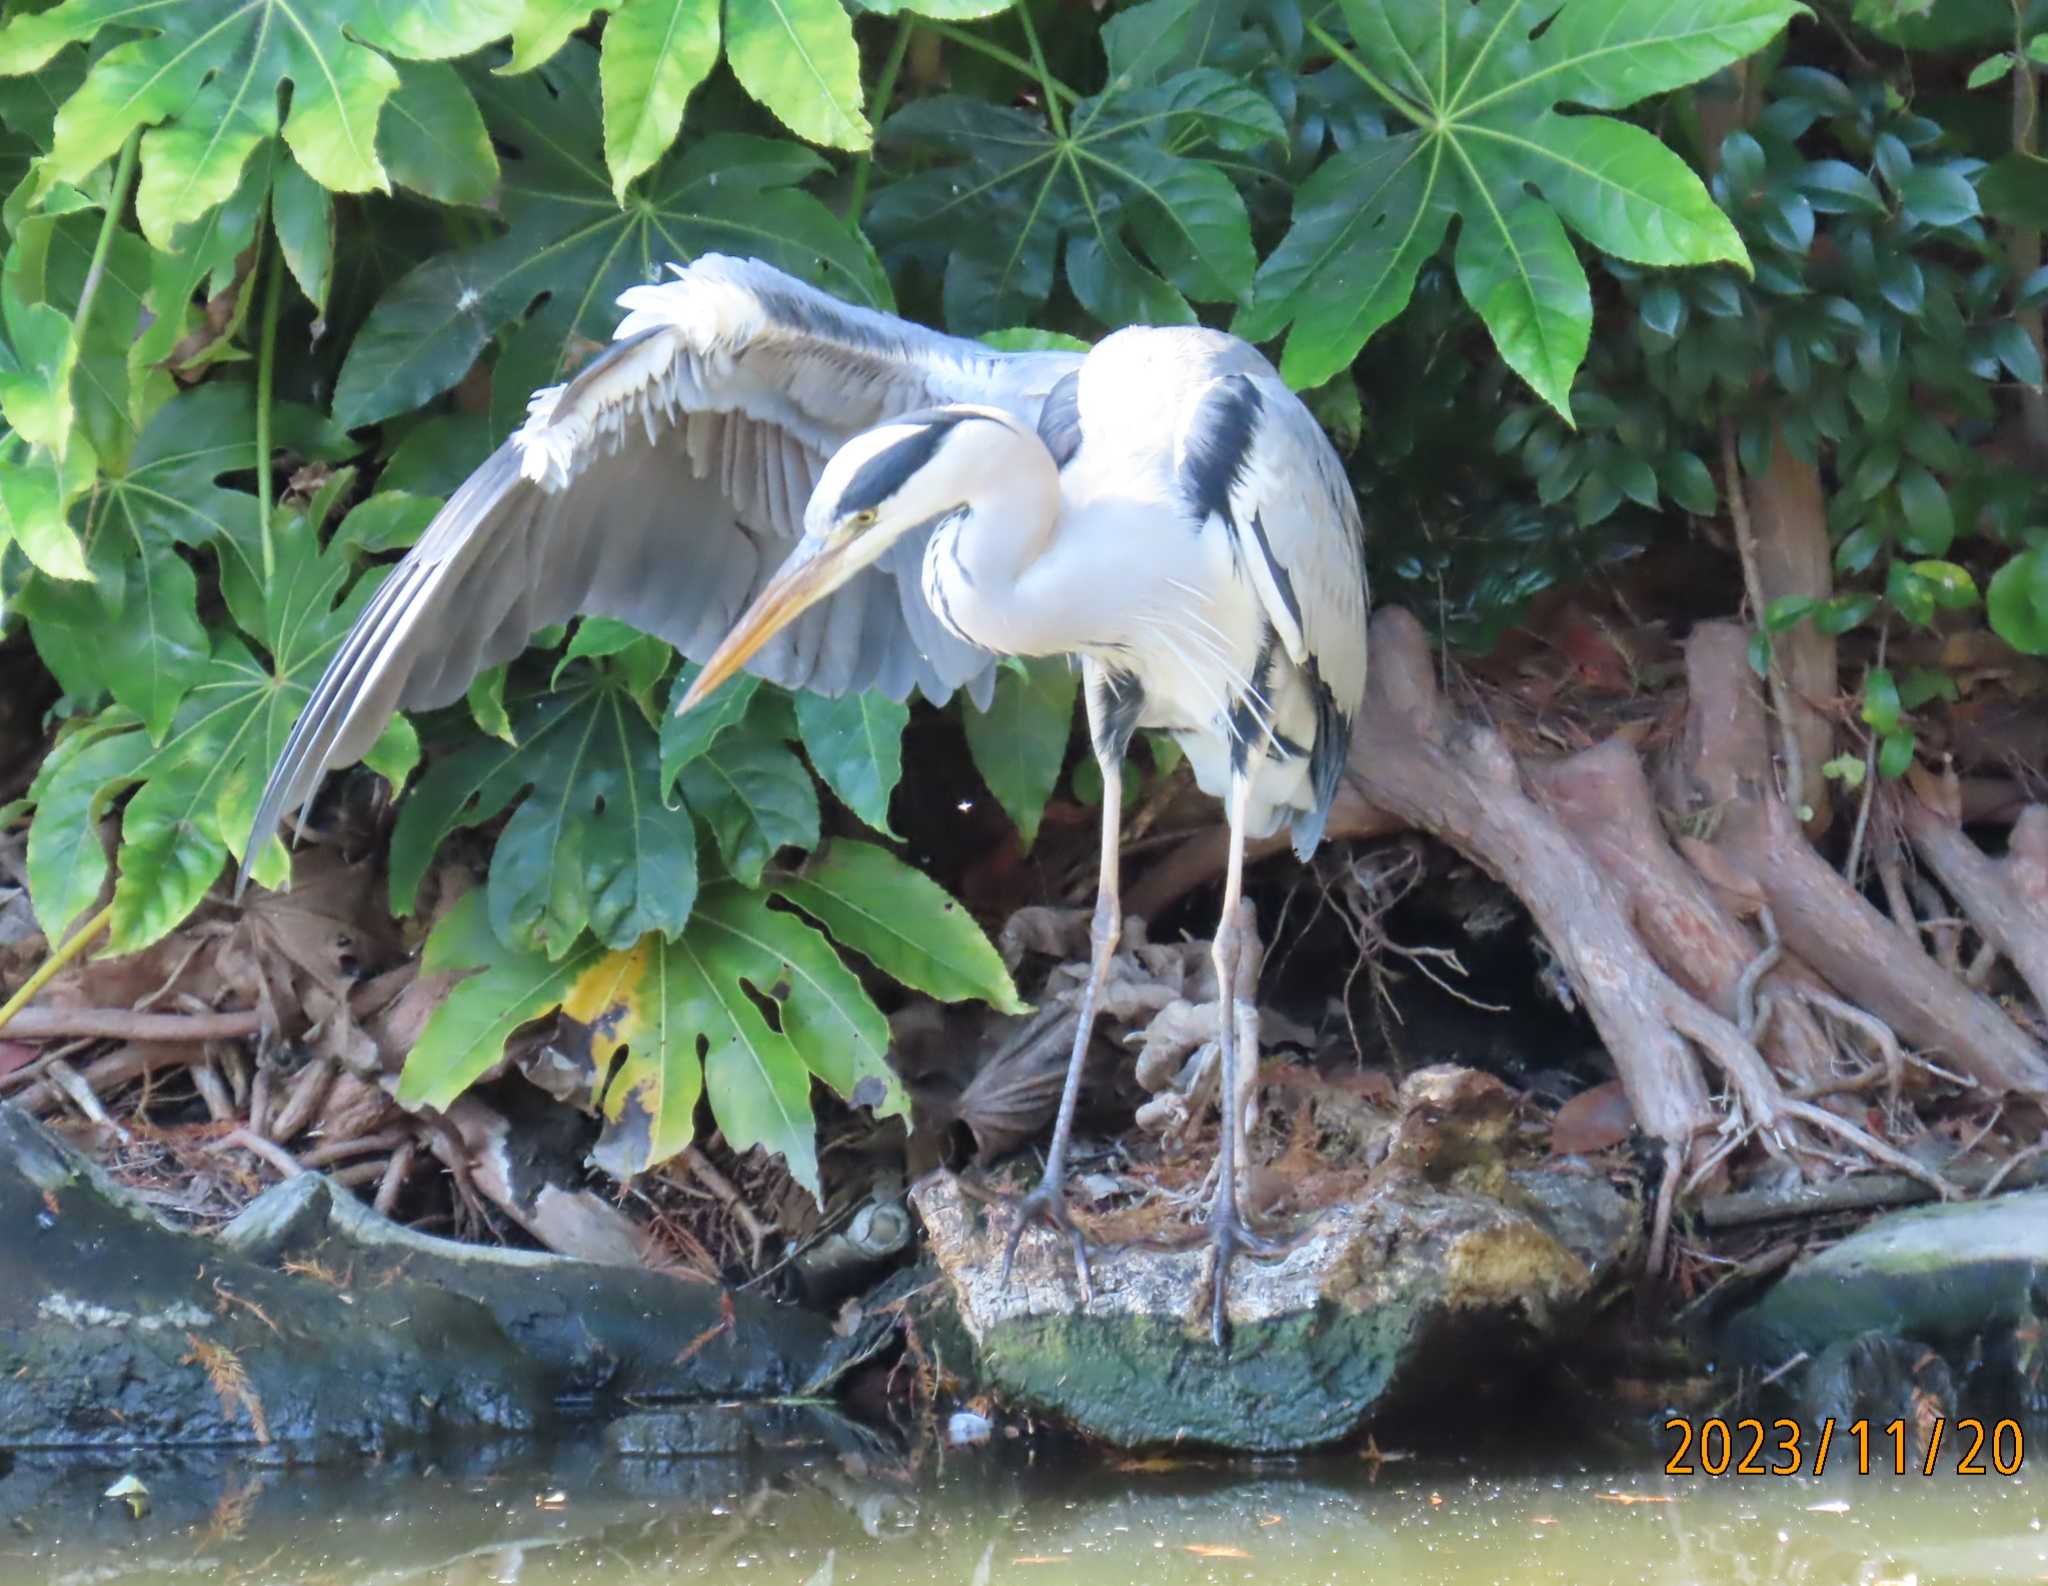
(1020, 742)
(655, 54)
(756, 798)
(670, 1021)
(568, 245)
(433, 137)
(1478, 87)
(590, 845)
(856, 744)
(195, 791)
(799, 59)
(466, 1034)
(1147, 225)
(203, 77)
(2017, 601)
(902, 921)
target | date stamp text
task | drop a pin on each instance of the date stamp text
(1786, 1447)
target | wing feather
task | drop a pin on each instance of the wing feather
(662, 486)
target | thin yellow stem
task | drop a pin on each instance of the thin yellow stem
(80, 940)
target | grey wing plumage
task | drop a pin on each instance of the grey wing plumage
(662, 486)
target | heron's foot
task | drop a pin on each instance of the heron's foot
(1048, 1205)
(1230, 1237)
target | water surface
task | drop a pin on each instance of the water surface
(571, 1517)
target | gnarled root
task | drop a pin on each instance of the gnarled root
(1859, 952)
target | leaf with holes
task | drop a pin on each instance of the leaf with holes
(670, 1021)
(1480, 88)
(902, 921)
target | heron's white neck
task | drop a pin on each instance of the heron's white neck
(979, 569)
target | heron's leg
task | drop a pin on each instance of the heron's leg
(1048, 1202)
(1227, 1231)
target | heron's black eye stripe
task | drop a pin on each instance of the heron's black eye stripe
(883, 474)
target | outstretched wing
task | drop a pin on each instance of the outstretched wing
(662, 486)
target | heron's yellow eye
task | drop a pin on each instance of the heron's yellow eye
(863, 519)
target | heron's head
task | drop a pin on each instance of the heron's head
(898, 478)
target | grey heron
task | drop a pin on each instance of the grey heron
(838, 499)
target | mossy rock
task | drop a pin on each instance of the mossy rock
(1372, 1304)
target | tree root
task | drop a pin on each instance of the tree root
(2005, 899)
(1459, 783)
(1660, 939)
(1861, 954)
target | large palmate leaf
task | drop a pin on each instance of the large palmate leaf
(591, 845)
(568, 246)
(668, 1021)
(194, 787)
(1481, 85)
(798, 57)
(1147, 226)
(204, 77)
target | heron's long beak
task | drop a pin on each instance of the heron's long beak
(798, 585)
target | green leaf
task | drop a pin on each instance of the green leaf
(799, 59)
(1895, 753)
(466, 1034)
(1953, 587)
(1517, 269)
(591, 845)
(684, 737)
(902, 921)
(2017, 601)
(1840, 613)
(1480, 92)
(1930, 524)
(1145, 226)
(1845, 769)
(67, 865)
(1937, 195)
(656, 52)
(1363, 224)
(1989, 70)
(1923, 684)
(1787, 611)
(856, 744)
(391, 520)
(755, 796)
(433, 137)
(830, 1021)
(1881, 700)
(302, 211)
(486, 700)
(1687, 482)
(1019, 743)
(569, 247)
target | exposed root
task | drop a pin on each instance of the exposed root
(1825, 921)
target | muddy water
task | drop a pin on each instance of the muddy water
(572, 1518)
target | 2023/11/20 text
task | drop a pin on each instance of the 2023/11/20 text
(1786, 1447)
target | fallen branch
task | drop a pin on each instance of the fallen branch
(1865, 1192)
